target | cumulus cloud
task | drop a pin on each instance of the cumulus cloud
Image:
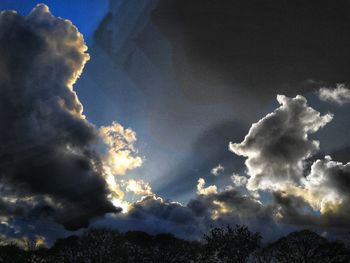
(277, 150)
(50, 166)
(121, 155)
(277, 145)
(339, 95)
(202, 190)
(329, 185)
(160, 208)
(305, 192)
(138, 187)
(325, 190)
(49, 163)
(239, 180)
(154, 214)
(45, 146)
(217, 170)
(229, 203)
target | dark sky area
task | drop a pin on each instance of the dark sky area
(156, 132)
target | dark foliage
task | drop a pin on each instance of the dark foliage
(230, 244)
(303, 247)
(219, 245)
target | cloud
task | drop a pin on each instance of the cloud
(156, 215)
(325, 190)
(217, 170)
(121, 154)
(49, 163)
(201, 190)
(312, 193)
(329, 185)
(138, 187)
(290, 192)
(239, 180)
(228, 202)
(339, 95)
(231, 206)
(277, 145)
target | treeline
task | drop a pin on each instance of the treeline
(227, 244)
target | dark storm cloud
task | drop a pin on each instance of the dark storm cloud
(293, 210)
(160, 209)
(248, 51)
(46, 157)
(156, 215)
(229, 206)
(232, 204)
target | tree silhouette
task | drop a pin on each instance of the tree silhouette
(168, 248)
(303, 247)
(11, 253)
(220, 245)
(230, 244)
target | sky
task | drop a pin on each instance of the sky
(173, 116)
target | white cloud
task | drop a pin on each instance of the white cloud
(277, 145)
(239, 180)
(121, 155)
(340, 94)
(138, 187)
(328, 185)
(202, 190)
(276, 148)
(217, 170)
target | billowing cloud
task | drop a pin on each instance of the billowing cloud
(121, 154)
(291, 191)
(324, 190)
(120, 157)
(217, 170)
(49, 163)
(156, 215)
(329, 185)
(138, 187)
(202, 190)
(277, 145)
(339, 95)
(228, 206)
(304, 192)
(227, 203)
(239, 180)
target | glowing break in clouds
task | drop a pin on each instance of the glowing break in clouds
(121, 154)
